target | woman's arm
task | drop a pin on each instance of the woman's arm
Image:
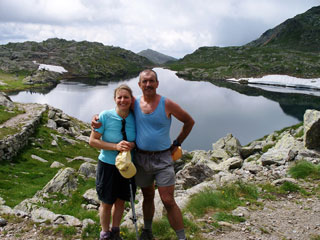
(95, 141)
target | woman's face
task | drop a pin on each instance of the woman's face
(123, 99)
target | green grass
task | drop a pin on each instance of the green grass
(23, 176)
(304, 169)
(222, 216)
(226, 198)
(267, 147)
(72, 205)
(6, 114)
(4, 132)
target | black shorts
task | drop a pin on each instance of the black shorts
(110, 185)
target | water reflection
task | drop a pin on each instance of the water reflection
(217, 109)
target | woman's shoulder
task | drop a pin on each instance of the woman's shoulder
(107, 113)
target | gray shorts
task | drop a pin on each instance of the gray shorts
(154, 167)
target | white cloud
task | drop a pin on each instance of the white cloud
(172, 27)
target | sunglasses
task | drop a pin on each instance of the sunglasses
(123, 129)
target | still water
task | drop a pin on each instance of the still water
(216, 110)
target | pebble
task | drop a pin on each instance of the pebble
(3, 222)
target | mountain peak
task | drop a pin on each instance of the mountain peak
(155, 56)
(301, 32)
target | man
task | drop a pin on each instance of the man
(153, 151)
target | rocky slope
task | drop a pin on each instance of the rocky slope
(80, 59)
(301, 32)
(263, 161)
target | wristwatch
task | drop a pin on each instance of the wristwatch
(176, 143)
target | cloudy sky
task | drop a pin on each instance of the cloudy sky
(172, 27)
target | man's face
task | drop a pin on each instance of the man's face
(148, 83)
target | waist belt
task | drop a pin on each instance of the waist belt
(151, 152)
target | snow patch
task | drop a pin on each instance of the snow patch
(298, 84)
(51, 68)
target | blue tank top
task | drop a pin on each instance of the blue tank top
(153, 129)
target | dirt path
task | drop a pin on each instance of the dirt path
(294, 217)
(30, 110)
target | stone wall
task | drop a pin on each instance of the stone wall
(10, 146)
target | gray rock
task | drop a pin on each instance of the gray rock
(81, 158)
(65, 181)
(240, 212)
(88, 169)
(192, 175)
(226, 147)
(6, 101)
(230, 163)
(91, 197)
(311, 137)
(51, 124)
(56, 164)
(283, 180)
(3, 222)
(252, 167)
(39, 158)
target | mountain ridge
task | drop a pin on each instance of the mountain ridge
(156, 57)
(277, 51)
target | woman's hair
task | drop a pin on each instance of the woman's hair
(123, 87)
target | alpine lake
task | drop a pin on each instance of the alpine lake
(218, 107)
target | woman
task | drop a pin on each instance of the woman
(112, 188)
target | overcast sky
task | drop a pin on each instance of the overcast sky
(172, 27)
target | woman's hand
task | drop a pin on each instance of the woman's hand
(125, 146)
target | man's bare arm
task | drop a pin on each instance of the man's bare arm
(174, 109)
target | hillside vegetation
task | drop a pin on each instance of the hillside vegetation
(291, 48)
(81, 60)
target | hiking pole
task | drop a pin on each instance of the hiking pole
(134, 217)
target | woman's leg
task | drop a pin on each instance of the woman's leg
(105, 215)
(117, 212)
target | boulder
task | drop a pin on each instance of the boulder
(192, 175)
(225, 148)
(230, 163)
(6, 101)
(91, 197)
(311, 124)
(88, 170)
(286, 149)
(65, 181)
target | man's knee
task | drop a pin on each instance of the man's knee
(168, 200)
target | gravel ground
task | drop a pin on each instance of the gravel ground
(293, 217)
(289, 218)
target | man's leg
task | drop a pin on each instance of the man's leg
(148, 202)
(148, 212)
(173, 210)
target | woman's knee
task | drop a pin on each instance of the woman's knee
(105, 206)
